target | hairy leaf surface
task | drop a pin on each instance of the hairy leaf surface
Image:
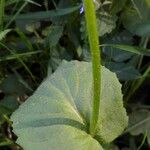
(57, 115)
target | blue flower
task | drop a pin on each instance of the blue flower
(82, 8)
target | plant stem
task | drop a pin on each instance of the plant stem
(90, 18)
(16, 14)
(136, 84)
(2, 9)
(144, 45)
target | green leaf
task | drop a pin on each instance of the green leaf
(45, 14)
(54, 33)
(4, 110)
(136, 17)
(10, 102)
(10, 84)
(106, 23)
(116, 54)
(58, 53)
(139, 122)
(24, 39)
(128, 48)
(4, 33)
(117, 6)
(57, 115)
(16, 56)
(124, 71)
(56, 137)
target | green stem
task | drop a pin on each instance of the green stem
(2, 10)
(136, 84)
(96, 59)
(16, 14)
(144, 42)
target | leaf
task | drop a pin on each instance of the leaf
(128, 48)
(123, 71)
(4, 33)
(106, 23)
(117, 54)
(117, 6)
(136, 17)
(33, 2)
(45, 14)
(4, 110)
(10, 102)
(16, 56)
(54, 33)
(10, 84)
(58, 53)
(57, 115)
(139, 122)
(33, 27)
(24, 39)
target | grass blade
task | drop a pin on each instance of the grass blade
(128, 48)
(20, 60)
(16, 56)
(4, 33)
(45, 14)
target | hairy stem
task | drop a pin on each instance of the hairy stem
(96, 59)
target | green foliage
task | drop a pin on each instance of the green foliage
(45, 15)
(53, 34)
(117, 6)
(4, 33)
(136, 17)
(63, 105)
(59, 32)
(9, 86)
(111, 50)
(106, 23)
(133, 49)
(124, 71)
(140, 123)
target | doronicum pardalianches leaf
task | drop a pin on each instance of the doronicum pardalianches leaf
(57, 115)
(106, 23)
(136, 17)
(123, 71)
(117, 6)
(139, 122)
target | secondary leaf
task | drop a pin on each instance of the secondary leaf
(45, 14)
(9, 86)
(4, 33)
(139, 122)
(117, 6)
(123, 71)
(136, 17)
(106, 23)
(58, 114)
(54, 33)
(113, 52)
(128, 48)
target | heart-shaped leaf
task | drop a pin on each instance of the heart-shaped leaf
(106, 23)
(58, 114)
(136, 17)
(139, 122)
